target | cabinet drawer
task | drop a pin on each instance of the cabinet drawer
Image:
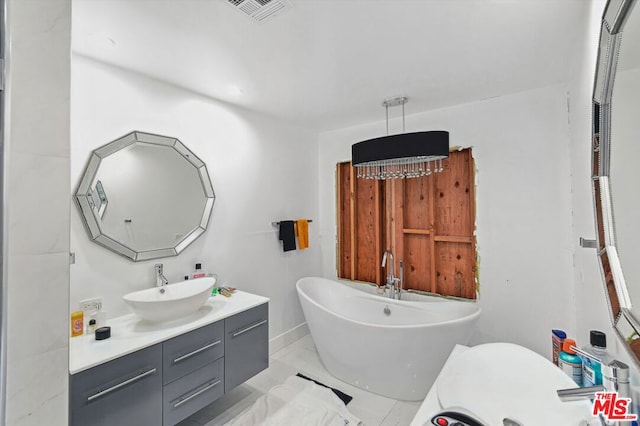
(187, 353)
(246, 345)
(186, 395)
(127, 390)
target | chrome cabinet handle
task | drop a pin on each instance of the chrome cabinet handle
(197, 351)
(119, 385)
(251, 327)
(190, 397)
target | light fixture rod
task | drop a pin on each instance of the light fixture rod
(403, 128)
(391, 102)
(386, 107)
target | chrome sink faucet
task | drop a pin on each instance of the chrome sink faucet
(161, 280)
(394, 284)
(615, 378)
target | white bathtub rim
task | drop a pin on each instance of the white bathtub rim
(470, 317)
(369, 288)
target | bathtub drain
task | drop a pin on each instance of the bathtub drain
(387, 311)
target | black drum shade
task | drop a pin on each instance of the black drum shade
(405, 155)
(418, 144)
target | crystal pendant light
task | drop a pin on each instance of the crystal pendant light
(405, 155)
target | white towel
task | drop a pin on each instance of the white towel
(297, 402)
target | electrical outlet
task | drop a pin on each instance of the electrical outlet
(90, 305)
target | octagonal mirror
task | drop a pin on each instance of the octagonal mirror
(616, 98)
(145, 196)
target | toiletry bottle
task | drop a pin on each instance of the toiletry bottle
(570, 362)
(91, 327)
(592, 368)
(198, 272)
(214, 290)
(77, 323)
(557, 337)
(90, 322)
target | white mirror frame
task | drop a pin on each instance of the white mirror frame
(88, 212)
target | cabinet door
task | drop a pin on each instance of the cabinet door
(246, 348)
(125, 391)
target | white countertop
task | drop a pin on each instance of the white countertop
(129, 333)
(430, 406)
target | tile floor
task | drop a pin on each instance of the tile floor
(301, 357)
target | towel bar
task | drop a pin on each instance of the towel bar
(278, 223)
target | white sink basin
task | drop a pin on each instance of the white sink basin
(502, 380)
(178, 300)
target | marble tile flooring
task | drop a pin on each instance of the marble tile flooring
(301, 357)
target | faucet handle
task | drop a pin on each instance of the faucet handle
(158, 267)
(616, 370)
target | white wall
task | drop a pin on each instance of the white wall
(521, 149)
(262, 171)
(36, 208)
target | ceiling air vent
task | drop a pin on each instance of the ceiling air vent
(260, 10)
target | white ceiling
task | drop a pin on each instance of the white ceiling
(326, 64)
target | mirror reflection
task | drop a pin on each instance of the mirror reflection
(624, 173)
(145, 196)
(616, 90)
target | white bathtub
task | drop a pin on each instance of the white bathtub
(397, 355)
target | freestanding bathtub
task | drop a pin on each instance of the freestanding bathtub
(394, 348)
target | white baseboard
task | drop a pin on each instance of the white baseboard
(287, 338)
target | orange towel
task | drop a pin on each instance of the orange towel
(303, 233)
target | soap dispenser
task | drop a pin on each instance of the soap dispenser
(198, 272)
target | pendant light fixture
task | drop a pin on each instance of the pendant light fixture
(404, 155)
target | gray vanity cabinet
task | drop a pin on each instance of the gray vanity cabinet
(165, 383)
(246, 348)
(125, 391)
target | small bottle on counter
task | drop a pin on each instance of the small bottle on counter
(77, 323)
(198, 272)
(570, 362)
(592, 367)
(214, 290)
(91, 327)
(557, 337)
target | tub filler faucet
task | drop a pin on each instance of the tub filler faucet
(394, 284)
(161, 280)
